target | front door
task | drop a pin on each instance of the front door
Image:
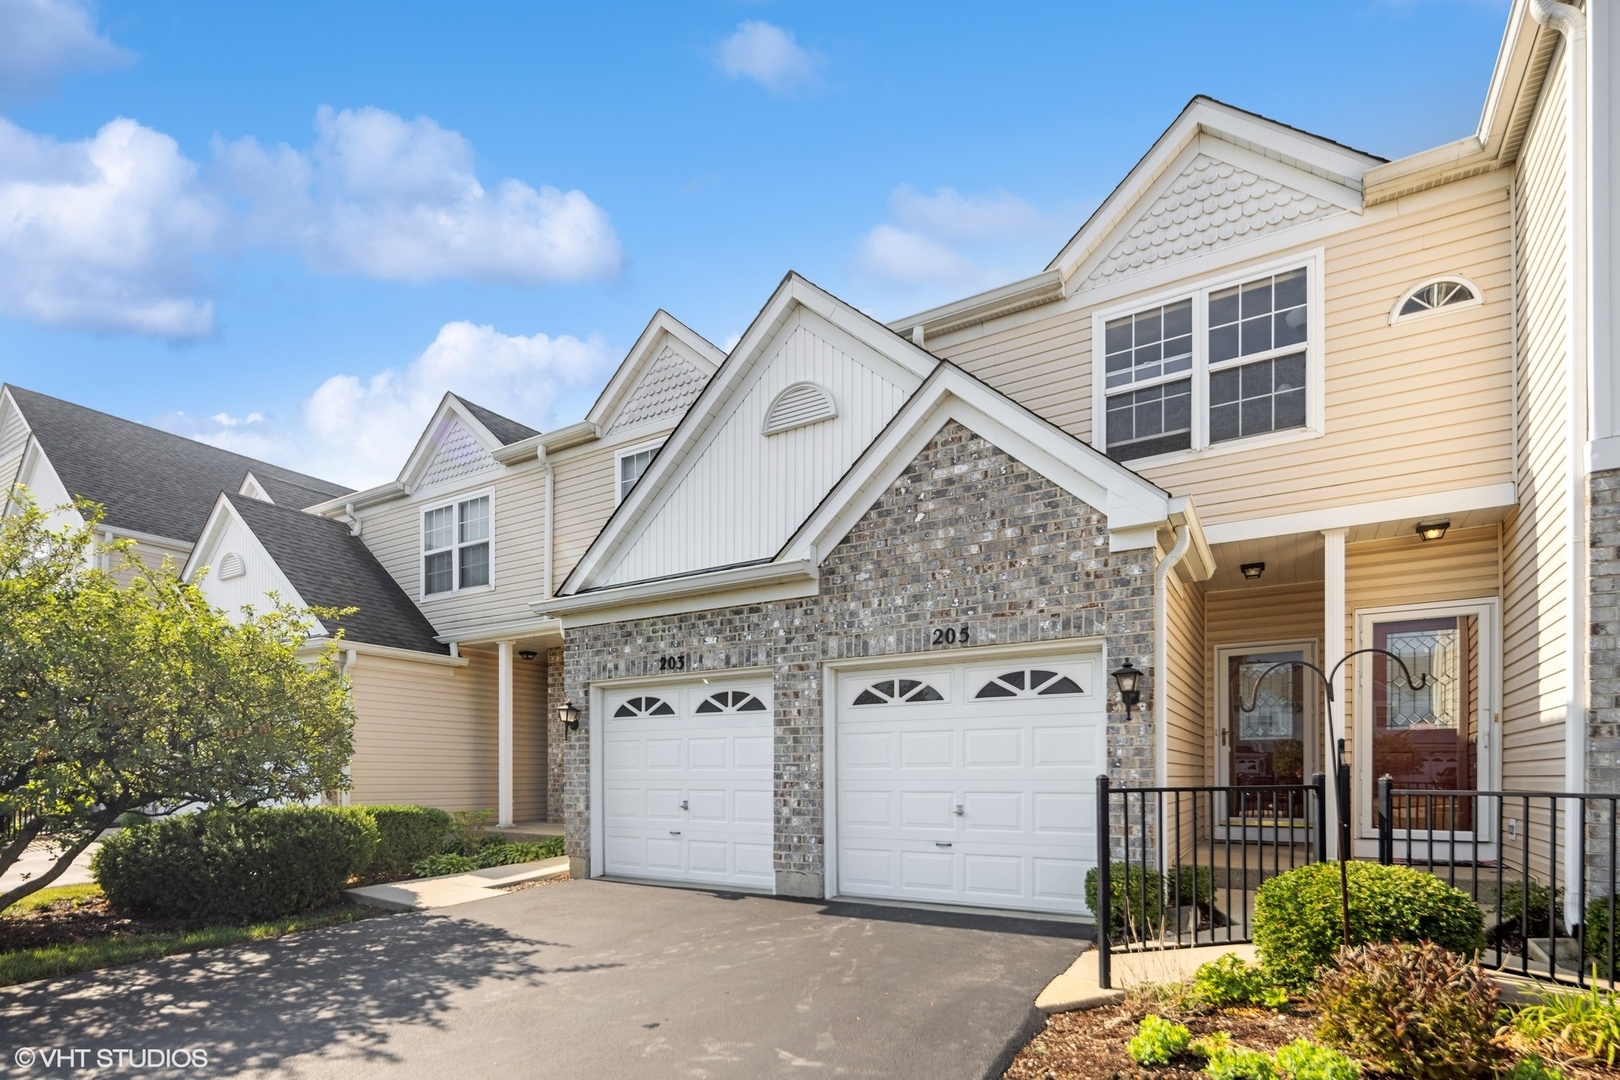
(1266, 733)
(1429, 732)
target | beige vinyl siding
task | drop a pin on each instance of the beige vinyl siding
(1184, 689)
(152, 554)
(1421, 406)
(585, 488)
(426, 733)
(393, 532)
(1256, 616)
(1536, 568)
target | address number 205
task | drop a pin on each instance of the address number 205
(950, 635)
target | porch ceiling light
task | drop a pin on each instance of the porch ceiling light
(568, 714)
(1433, 530)
(527, 654)
(1253, 570)
(1128, 679)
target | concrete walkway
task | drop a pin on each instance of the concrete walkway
(449, 890)
(1077, 988)
(40, 857)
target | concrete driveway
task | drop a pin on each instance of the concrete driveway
(577, 979)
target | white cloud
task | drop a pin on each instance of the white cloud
(949, 215)
(359, 430)
(42, 40)
(398, 200)
(104, 233)
(769, 55)
(910, 258)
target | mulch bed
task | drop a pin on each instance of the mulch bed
(68, 921)
(1090, 1045)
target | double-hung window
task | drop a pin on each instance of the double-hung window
(1226, 363)
(456, 543)
(631, 466)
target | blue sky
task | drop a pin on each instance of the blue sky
(288, 228)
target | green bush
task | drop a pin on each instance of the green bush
(405, 834)
(1511, 906)
(1157, 1041)
(1223, 1061)
(509, 853)
(1140, 896)
(1226, 981)
(1418, 1011)
(1596, 934)
(1574, 1025)
(469, 833)
(235, 865)
(439, 865)
(1305, 1060)
(1297, 923)
(1531, 1067)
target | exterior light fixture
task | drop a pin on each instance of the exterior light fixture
(1253, 570)
(568, 715)
(527, 654)
(1433, 530)
(1128, 679)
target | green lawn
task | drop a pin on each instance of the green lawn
(49, 961)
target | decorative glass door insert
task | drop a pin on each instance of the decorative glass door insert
(1265, 746)
(1426, 737)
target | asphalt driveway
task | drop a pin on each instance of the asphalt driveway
(574, 979)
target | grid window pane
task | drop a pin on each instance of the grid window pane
(438, 572)
(475, 519)
(631, 466)
(475, 565)
(1268, 395)
(1148, 344)
(1258, 316)
(1153, 420)
(438, 528)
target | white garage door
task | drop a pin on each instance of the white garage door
(971, 784)
(686, 783)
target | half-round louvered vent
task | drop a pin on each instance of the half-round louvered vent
(231, 566)
(800, 404)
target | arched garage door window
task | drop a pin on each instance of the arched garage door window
(644, 706)
(1031, 682)
(731, 701)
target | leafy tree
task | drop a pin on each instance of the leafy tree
(122, 689)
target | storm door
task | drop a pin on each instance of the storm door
(1271, 744)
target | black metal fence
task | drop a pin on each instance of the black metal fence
(1517, 854)
(1186, 861)
(13, 822)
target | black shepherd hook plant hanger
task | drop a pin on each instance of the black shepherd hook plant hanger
(1341, 788)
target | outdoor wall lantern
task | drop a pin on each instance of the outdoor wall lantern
(1253, 570)
(1128, 679)
(1433, 530)
(527, 654)
(568, 715)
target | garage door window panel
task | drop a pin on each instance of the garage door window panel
(731, 701)
(1031, 682)
(898, 692)
(643, 706)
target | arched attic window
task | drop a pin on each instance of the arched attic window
(1434, 296)
(231, 566)
(797, 405)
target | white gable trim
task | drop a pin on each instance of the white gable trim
(1134, 507)
(410, 477)
(844, 326)
(204, 554)
(695, 347)
(254, 490)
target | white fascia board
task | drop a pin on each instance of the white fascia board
(358, 500)
(690, 592)
(1042, 288)
(700, 350)
(1128, 500)
(218, 517)
(314, 645)
(691, 433)
(506, 630)
(1428, 505)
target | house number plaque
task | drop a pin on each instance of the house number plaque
(950, 635)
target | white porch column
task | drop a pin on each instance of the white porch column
(1332, 652)
(503, 810)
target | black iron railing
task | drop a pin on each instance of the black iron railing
(1521, 855)
(1183, 863)
(13, 822)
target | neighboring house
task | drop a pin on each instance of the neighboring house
(154, 488)
(1277, 399)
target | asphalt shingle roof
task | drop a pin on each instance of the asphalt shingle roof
(507, 430)
(332, 568)
(149, 480)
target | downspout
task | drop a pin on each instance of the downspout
(355, 524)
(1571, 23)
(1161, 653)
(545, 463)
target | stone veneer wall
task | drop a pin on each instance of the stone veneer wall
(965, 536)
(1603, 672)
(556, 736)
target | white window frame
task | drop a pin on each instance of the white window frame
(618, 460)
(1395, 315)
(422, 552)
(1315, 351)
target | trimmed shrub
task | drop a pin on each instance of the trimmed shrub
(1544, 903)
(1157, 1041)
(1297, 924)
(1142, 893)
(439, 865)
(1596, 934)
(225, 866)
(1418, 1011)
(1226, 981)
(510, 853)
(405, 835)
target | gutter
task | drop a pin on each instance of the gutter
(771, 573)
(1161, 654)
(1043, 288)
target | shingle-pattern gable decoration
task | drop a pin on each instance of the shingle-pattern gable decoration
(668, 387)
(459, 454)
(1210, 202)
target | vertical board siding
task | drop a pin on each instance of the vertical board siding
(426, 733)
(1536, 567)
(745, 493)
(13, 441)
(1383, 383)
